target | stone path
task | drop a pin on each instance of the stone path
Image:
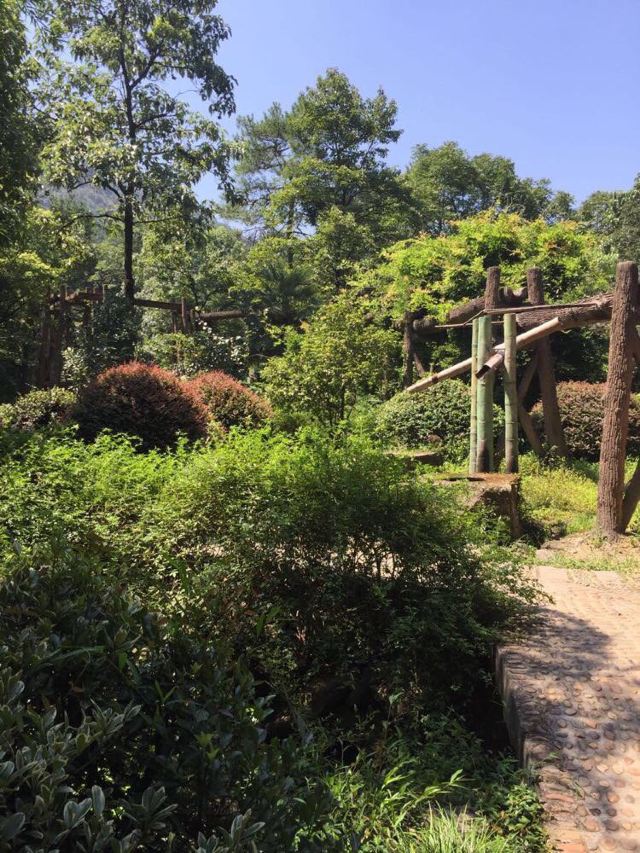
(572, 699)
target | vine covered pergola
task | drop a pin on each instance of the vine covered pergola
(528, 323)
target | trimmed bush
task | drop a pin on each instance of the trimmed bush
(582, 412)
(229, 402)
(143, 401)
(37, 409)
(411, 419)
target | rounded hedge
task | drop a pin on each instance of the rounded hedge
(582, 412)
(412, 420)
(228, 401)
(38, 409)
(143, 401)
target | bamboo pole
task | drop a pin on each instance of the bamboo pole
(484, 405)
(473, 424)
(510, 396)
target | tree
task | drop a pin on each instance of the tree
(615, 218)
(340, 356)
(115, 125)
(322, 166)
(18, 140)
(448, 184)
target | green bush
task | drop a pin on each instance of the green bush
(411, 420)
(441, 413)
(582, 412)
(120, 733)
(228, 401)
(37, 409)
(143, 401)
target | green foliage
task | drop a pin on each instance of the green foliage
(322, 165)
(47, 256)
(120, 734)
(18, 137)
(411, 420)
(114, 124)
(613, 217)
(441, 413)
(582, 413)
(342, 355)
(38, 409)
(109, 340)
(198, 352)
(143, 401)
(323, 565)
(437, 273)
(229, 402)
(449, 185)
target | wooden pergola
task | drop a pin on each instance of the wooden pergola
(528, 323)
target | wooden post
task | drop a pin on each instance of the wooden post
(510, 396)
(546, 373)
(615, 427)
(484, 405)
(492, 288)
(184, 311)
(407, 350)
(473, 425)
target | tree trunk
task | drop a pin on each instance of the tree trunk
(546, 373)
(616, 403)
(129, 281)
(492, 288)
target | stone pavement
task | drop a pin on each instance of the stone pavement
(572, 702)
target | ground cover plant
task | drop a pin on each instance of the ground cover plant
(317, 585)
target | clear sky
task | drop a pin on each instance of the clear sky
(555, 86)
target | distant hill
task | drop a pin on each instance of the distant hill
(94, 199)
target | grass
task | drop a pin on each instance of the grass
(404, 795)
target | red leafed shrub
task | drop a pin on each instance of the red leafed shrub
(144, 401)
(582, 412)
(229, 402)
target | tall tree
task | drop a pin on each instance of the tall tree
(18, 144)
(118, 121)
(448, 184)
(322, 166)
(615, 218)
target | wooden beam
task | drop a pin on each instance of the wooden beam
(484, 405)
(473, 419)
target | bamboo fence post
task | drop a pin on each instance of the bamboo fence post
(484, 405)
(615, 427)
(510, 396)
(473, 427)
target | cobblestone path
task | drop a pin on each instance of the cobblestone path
(572, 698)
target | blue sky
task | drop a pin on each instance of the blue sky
(555, 86)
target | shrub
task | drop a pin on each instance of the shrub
(118, 729)
(229, 402)
(200, 351)
(412, 420)
(582, 412)
(37, 409)
(143, 401)
(362, 573)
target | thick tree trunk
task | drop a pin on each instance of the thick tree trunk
(129, 281)
(615, 427)
(546, 373)
(492, 289)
